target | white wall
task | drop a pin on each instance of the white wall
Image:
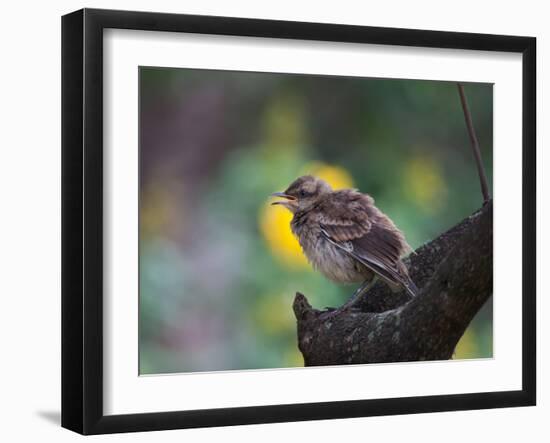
(30, 218)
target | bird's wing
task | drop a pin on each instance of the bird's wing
(374, 244)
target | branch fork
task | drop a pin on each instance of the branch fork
(454, 272)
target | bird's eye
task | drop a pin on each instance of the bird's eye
(303, 193)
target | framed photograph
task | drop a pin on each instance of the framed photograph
(269, 221)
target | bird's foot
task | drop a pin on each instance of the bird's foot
(331, 313)
(359, 293)
(328, 312)
(351, 304)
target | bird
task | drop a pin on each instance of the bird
(346, 237)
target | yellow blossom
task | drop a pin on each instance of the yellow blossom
(424, 183)
(273, 314)
(335, 176)
(293, 358)
(467, 346)
(157, 209)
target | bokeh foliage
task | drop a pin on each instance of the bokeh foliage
(218, 266)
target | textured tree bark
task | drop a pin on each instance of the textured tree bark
(455, 275)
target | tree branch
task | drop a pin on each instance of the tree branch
(454, 272)
(475, 144)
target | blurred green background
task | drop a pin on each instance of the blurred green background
(218, 266)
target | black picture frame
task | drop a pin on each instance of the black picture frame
(82, 220)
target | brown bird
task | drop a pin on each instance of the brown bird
(345, 236)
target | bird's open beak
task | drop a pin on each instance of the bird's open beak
(288, 198)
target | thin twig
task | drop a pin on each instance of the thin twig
(475, 145)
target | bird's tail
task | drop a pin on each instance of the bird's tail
(405, 280)
(411, 288)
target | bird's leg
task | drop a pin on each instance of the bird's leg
(354, 299)
(361, 290)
